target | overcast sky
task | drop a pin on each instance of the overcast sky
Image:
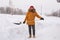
(48, 6)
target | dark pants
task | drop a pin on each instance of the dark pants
(33, 28)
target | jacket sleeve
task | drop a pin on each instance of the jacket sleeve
(26, 17)
(38, 15)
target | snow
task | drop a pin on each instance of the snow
(48, 29)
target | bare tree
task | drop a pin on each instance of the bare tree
(58, 1)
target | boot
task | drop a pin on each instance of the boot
(33, 36)
(30, 36)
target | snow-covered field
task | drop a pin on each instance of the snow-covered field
(49, 29)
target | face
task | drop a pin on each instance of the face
(32, 10)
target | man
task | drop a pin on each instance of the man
(30, 19)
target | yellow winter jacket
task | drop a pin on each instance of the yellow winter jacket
(30, 18)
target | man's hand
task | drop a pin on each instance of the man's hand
(24, 22)
(41, 18)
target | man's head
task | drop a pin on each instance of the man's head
(31, 9)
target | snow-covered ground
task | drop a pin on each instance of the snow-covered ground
(49, 29)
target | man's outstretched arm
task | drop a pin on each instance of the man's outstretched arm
(41, 18)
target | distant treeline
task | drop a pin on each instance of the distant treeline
(9, 10)
(56, 13)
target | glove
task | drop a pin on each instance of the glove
(41, 18)
(24, 22)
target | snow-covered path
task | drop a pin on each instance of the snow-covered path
(49, 29)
